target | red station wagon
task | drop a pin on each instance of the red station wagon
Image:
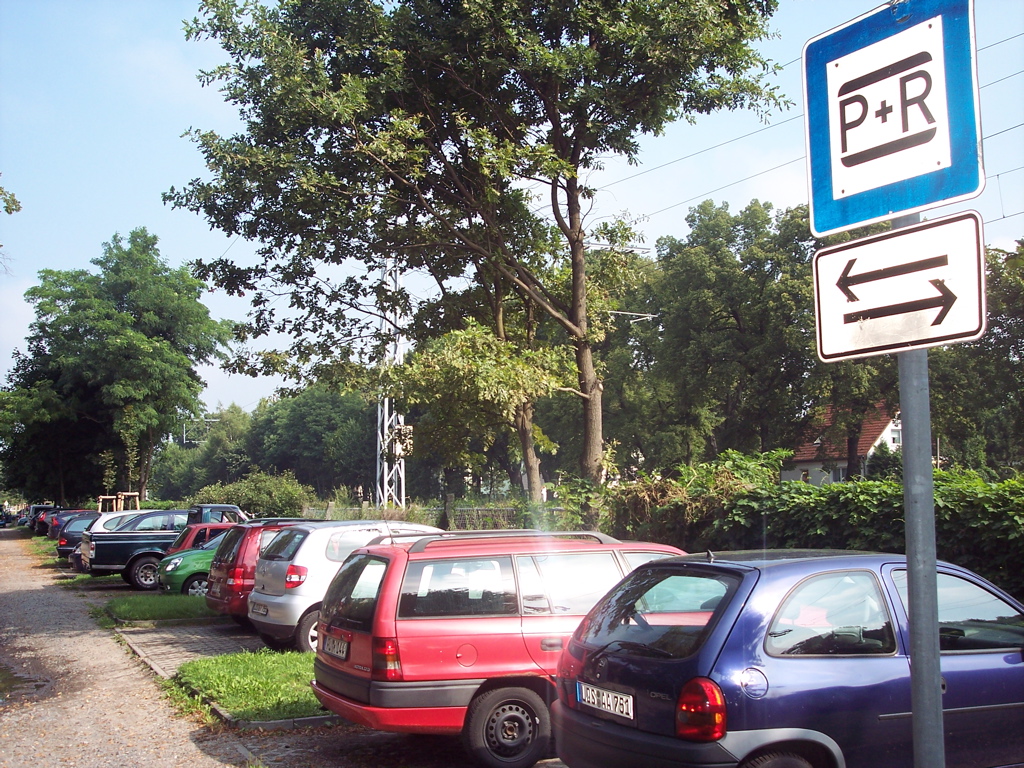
(233, 568)
(461, 633)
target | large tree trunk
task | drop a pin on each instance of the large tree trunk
(852, 459)
(524, 428)
(592, 389)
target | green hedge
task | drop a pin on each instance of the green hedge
(728, 505)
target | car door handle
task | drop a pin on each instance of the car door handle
(551, 644)
(942, 684)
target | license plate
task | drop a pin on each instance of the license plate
(259, 609)
(336, 647)
(215, 589)
(613, 703)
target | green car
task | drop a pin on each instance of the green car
(185, 572)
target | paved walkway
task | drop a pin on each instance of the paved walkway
(167, 647)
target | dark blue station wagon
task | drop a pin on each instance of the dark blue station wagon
(785, 659)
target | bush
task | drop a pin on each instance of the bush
(731, 504)
(260, 494)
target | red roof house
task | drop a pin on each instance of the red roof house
(823, 457)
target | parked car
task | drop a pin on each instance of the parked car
(109, 521)
(194, 535)
(156, 520)
(41, 524)
(233, 568)
(294, 571)
(461, 633)
(186, 571)
(70, 534)
(785, 659)
(56, 520)
(134, 549)
(216, 513)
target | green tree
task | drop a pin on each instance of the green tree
(412, 131)
(472, 389)
(115, 353)
(977, 389)
(325, 438)
(9, 204)
(219, 455)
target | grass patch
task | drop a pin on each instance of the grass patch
(188, 703)
(264, 685)
(83, 579)
(155, 607)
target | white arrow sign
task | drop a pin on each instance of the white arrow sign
(918, 286)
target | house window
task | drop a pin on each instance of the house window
(897, 436)
(838, 474)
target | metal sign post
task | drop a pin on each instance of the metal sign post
(893, 128)
(919, 509)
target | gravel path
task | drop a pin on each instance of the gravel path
(83, 700)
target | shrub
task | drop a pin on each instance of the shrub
(733, 504)
(260, 494)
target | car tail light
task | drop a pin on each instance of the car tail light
(700, 713)
(236, 576)
(386, 664)
(62, 542)
(295, 576)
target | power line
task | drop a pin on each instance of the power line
(719, 189)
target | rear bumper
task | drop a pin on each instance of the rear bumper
(589, 742)
(230, 604)
(439, 720)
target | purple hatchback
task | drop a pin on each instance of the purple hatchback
(785, 659)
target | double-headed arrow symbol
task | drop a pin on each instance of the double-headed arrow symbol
(943, 301)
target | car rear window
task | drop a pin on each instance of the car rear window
(284, 545)
(180, 540)
(459, 587)
(351, 600)
(79, 523)
(229, 545)
(659, 612)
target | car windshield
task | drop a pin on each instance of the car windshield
(659, 612)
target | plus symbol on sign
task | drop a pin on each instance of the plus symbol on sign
(883, 111)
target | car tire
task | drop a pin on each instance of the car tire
(275, 643)
(778, 760)
(127, 577)
(240, 620)
(305, 632)
(144, 573)
(195, 585)
(507, 728)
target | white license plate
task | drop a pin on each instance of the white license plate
(259, 609)
(215, 589)
(614, 703)
(336, 647)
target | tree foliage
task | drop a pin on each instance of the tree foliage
(111, 361)
(411, 131)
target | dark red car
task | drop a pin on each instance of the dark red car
(233, 569)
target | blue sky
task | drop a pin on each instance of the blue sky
(95, 97)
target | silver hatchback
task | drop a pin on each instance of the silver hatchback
(294, 571)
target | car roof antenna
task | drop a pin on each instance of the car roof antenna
(710, 556)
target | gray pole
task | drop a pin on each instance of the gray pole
(919, 506)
